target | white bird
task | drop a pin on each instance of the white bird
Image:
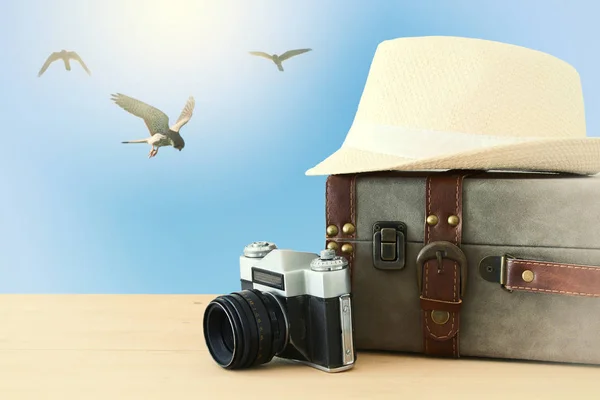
(66, 56)
(279, 59)
(157, 122)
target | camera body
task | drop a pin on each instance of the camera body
(292, 305)
(314, 292)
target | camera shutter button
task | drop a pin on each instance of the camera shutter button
(327, 254)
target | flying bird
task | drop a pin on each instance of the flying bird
(161, 134)
(279, 59)
(66, 56)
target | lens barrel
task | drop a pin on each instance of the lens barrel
(244, 329)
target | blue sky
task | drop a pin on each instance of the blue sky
(83, 213)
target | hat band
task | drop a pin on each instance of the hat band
(417, 143)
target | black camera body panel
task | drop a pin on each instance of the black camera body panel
(315, 329)
(315, 332)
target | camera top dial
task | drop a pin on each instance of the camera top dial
(259, 249)
(328, 261)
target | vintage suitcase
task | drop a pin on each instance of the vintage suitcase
(471, 263)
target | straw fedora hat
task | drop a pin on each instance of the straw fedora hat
(461, 103)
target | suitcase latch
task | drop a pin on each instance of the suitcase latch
(389, 245)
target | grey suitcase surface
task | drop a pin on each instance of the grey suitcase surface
(471, 263)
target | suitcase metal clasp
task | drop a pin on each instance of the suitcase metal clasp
(439, 250)
(389, 245)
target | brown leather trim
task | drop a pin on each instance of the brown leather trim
(340, 209)
(430, 305)
(550, 277)
(479, 174)
(441, 283)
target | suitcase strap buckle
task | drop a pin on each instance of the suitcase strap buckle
(440, 250)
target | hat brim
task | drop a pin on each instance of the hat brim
(577, 156)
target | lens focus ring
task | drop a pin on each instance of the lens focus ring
(263, 325)
(243, 329)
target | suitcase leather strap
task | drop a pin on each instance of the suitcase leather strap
(517, 274)
(441, 265)
(340, 215)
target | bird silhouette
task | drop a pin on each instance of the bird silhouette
(280, 59)
(157, 122)
(66, 56)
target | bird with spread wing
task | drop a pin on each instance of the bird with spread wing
(161, 134)
(280, 59)
(66, 56)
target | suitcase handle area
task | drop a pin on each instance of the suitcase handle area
(519, 274)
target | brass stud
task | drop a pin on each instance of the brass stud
(348, 229)
(432, 219)
(332, 230)
(453, 220)
(440, 317)
(347, 248)
(527, 275)
(332, 246)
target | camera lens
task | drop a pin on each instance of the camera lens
(244, 329)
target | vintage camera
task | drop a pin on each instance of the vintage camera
(292, 305)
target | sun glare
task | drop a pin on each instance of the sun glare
(178, 26)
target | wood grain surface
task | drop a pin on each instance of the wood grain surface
(148, 347)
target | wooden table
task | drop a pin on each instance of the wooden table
(112, 347)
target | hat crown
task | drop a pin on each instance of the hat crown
(439, 102)
(472, 86)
